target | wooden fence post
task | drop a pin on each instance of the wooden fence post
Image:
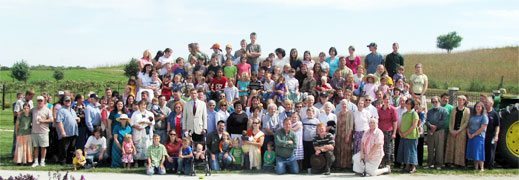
(453, 91)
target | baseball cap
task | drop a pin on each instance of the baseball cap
(67, 98)
(322, 94)
(40, 98)
(94, 96)
(228, 46)
(372, 44)
(216, 46)
(61, 93)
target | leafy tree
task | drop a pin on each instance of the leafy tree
(58, 74)
(132, 68)
(20, 71)
(449, 41)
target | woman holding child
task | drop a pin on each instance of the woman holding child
(254, 143)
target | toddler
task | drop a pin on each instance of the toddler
(128, 151)
(80, 160)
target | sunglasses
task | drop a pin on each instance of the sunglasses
(172, 134)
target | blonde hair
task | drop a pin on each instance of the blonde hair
(146, 54)
(79, 151)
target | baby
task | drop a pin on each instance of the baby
(80, 160)
(199, 152)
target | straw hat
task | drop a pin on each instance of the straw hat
(122, 117)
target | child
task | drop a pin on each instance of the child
(399, 75)
(177, 83)
(237, 154)
(323, 144)
(224, 147)
(231, 92)
(155, 84)
(186, 155)
(131, 87)
(243, 67)
(280, 90)
(371, 86)
(384, 87)
(229, 70)
(178, 68)
(269, 158)
(80, 160)
(243, 85)
(128, 151)
(268, 86)
(155, 107)
(199, 152)
(166, 87)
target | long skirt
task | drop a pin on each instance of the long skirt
(254, 156)
(23, 150)
(407, 151)
(357, 140)
(476, 149)
(455, 150)
(343, 152)
(116, 156)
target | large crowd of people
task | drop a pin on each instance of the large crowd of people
(235, 110)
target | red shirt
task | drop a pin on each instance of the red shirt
(386, 118)
(218, 83)
(178, 124)
(172, 148)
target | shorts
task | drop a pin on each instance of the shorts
(40, 140)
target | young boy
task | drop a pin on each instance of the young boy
(237, 154)
(78, 161)
(186, 156)
(269, 158)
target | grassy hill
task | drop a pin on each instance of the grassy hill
(96, 74)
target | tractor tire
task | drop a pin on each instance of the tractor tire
(508, 144)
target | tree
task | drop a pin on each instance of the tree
(449, 41)
(132, 68)
(20, 71)
(58, 74)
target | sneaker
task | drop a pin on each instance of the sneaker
(35, 164)
(438, 168)
(388, 169)
(42, 164)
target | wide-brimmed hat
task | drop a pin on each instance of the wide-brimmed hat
(371, 76)
(122, 117)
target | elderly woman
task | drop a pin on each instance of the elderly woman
(270, 123)
(457, 138)
(367, 161)
(120, 130)
(407, 150)
(254, 143)
(477, 128)
(142, 123)
(343, 145)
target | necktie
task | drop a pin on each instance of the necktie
(194, 107)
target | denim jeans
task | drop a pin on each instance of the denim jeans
(283, 163)
(254, 68)
(215, 165)
(152, 170)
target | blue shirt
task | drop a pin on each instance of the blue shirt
(187, 151)
(475, 122)
(122, 131)
(92, 117)
(372, 61)
(334, 64)
(67, 116)
(212, 119)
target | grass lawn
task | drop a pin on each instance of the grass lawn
(95, 74)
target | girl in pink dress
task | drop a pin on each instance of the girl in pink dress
(128, 151)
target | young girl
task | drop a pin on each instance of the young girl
(370, 87)
(224, 147)
(128, 151)
(166, 87)
(324, 85)
(231, 92)
(383, 85)
(307, 60)
(131, 87)
(400, 74)
(280, 90)
(79, 160)
(243, 85)
(359, 75)
(297, 127)
(243, 67)
(199, 152)
(268, 86)
(237, 154)
(177, 83)
(202, 85)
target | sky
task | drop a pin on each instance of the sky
(93, 33)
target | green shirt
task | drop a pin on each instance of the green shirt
(156, 153)
(237, 153)
(449, 108)
(269, 158)
(407, 121)
(283, 148)
(24, 125)
(230, 71)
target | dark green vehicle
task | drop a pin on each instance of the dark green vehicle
(507, 153)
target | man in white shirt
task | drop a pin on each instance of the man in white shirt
(372, 109)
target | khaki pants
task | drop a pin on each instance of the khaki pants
(435, 148)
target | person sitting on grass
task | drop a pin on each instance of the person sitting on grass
(324, 144)
(79, 160)
(269, 158)
(156, 154)
(186, 156)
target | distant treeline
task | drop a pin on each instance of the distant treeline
(44, 67)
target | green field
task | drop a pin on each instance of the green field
(96, 74)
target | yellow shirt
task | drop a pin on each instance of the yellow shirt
(78, 162)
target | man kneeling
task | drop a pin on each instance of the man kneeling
(367, 160)
(324, 144)
(156, 155)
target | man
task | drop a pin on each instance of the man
(269, 124)
(492, 133)
(324, 144)
(108, 93)
(347, 96)
(160, 126)
(41, 117)
(165, 62)
(253, 53)
(372, 109)
(388, 125)
(194, 118)
(286, 142)
(177, 96)
(436, 117)
(201, 55)
(240, 52)
(92, 113)
(212, 117)
(156, 154)
(213, 145)
(393, 61)
(448, 107)
(323, 98)
(66, 123)
(373, 59)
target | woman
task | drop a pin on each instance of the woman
(333, 60)
(118, 109)
(407, 152)
(142, 123)
(254, 144)
(130, 100)
(388, 124)
(175, 118)
(237, 121)
(295, 62)
(144, 82)
(301, 74)
(95, 147)
(120, 130)
(23, 151)
(307, 60)
(146, 59)
(280, 60)
(418, 84)
(79, 107)
(368, 160)
(360, 117)
(343, 139)
(477, 128)
(173, 146)
(223, 112)
(457, 138)
(352, 61)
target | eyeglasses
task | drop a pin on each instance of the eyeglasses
(368, 100)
